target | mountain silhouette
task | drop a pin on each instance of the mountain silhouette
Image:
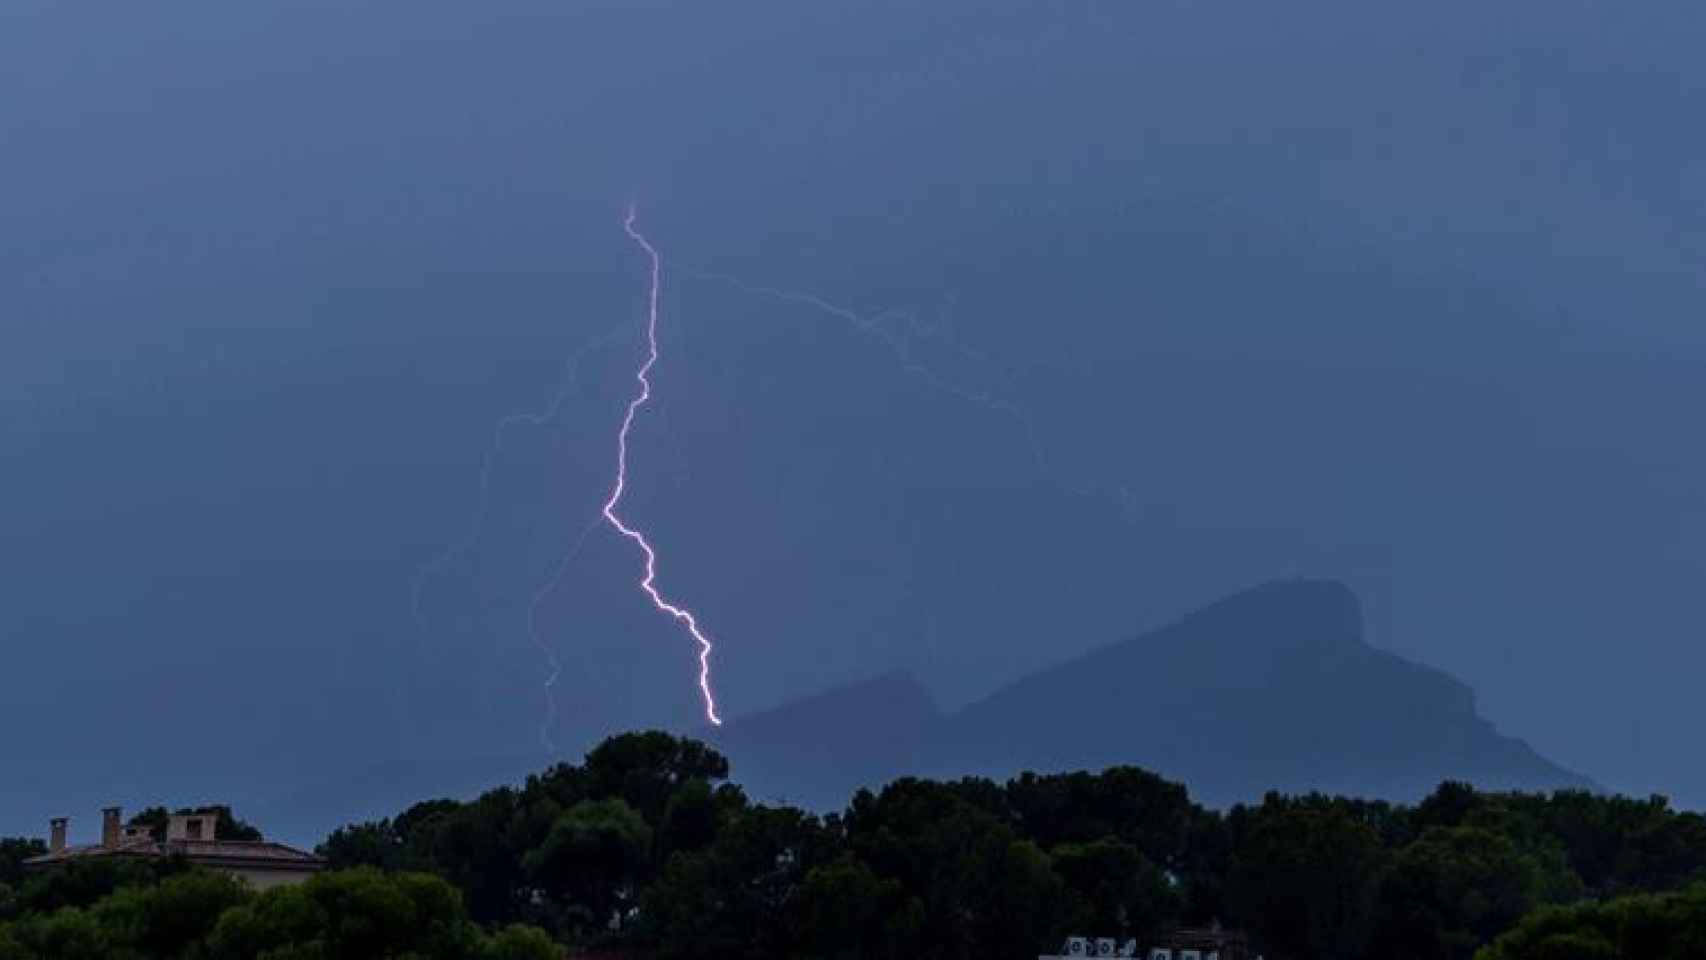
(1272, 688)
(818, 750)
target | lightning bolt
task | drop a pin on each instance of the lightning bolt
(899, 343)
(648, 583)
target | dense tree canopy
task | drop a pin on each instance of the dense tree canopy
(1305, 876)
(357, 914)
(645, 847)
(13, 852)
(1668, 926)
(1457, 887)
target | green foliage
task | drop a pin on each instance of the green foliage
(371, 844)
(10, 948)
(401, 844)
(689, 820)
(592, 858)
(518, 942)
(203, 915)
(1119, 891)
(1669, 926)
(83, 883)
(349, 915)
(1457, 887)
(13, 852)
(645, 848)
(735, 898)
(981, 885)
(167, 919)
(1135, 806)
(846, 911)
(1305, 876)
(475, 848)
(1614, 844)
(68, 934)
(1448, 806)
(645, 770)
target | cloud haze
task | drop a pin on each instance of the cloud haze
(1403, 295)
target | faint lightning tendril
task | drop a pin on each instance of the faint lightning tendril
(539, 418)
(482, 506)
(902, 349)
(901, 346)
(556, 665)
(648, 582)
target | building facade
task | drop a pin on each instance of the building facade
(262, 864)
(1185, 943)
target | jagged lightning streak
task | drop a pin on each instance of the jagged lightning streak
(649, 582)
(899, 343)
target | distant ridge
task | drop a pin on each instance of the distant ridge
(817, 750)
(1271, 688)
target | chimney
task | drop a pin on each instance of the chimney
(111, 826)
(56, 834)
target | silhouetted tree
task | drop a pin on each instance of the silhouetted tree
(1457, 887)
(170, 918)
(517, 942)
(593, 858)
(349, 915)
(1670, 926)
(13, 852)
(1305, 876)
(982, 886)
(646, 769)
(646, 847)
(1119, 891)
(736, 897)
(845, 912)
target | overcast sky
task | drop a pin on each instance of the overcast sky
(1138, 303)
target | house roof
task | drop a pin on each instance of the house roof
(213, 853)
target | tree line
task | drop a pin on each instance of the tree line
(646, 848)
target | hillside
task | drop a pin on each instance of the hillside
(1272, 688)
(816, 751)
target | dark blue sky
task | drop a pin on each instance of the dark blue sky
(1407, 294)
